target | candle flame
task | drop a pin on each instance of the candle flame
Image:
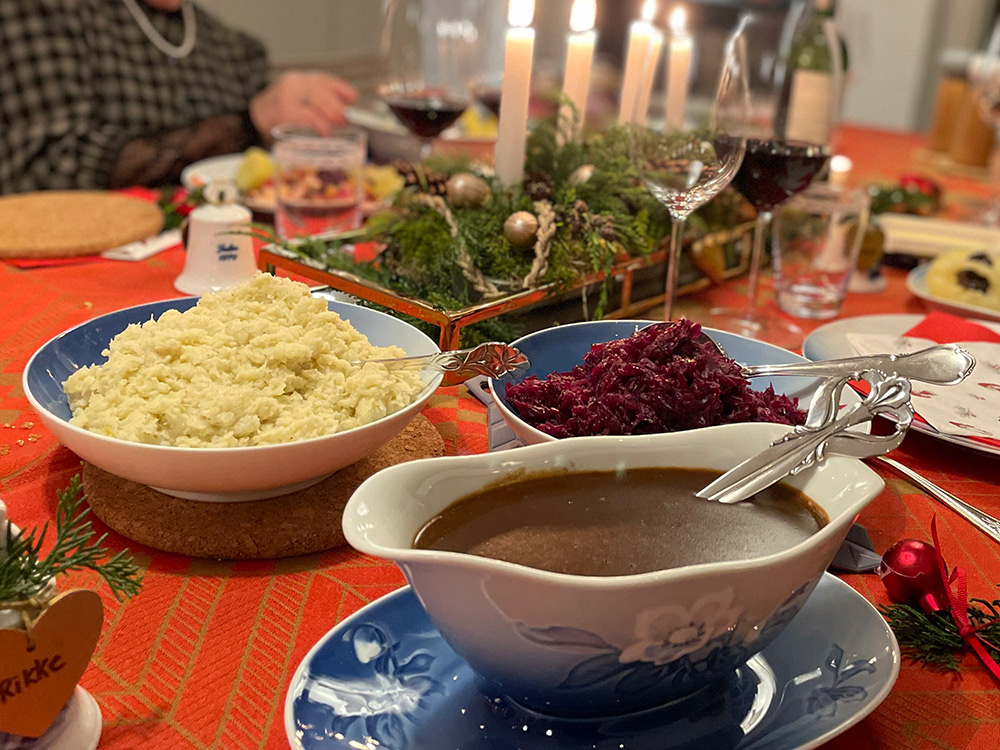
(648, 10)
(521, 12)
(840, 163)
(583, 15)
(678, 21)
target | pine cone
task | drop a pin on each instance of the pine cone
(606, 228)
(579, 218)
(416, 175)
(437, 183)
(539, 186)
(407, 171)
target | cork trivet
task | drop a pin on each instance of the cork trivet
(62, 224)
(298, 523)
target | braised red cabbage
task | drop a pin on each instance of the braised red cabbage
(660, 379)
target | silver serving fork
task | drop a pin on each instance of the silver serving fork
(491, 359)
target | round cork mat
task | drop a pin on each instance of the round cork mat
(62, 224)
(298, 523)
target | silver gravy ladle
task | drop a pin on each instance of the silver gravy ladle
(807, 445)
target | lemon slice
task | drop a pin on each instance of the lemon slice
(382, 181)
(255, 169)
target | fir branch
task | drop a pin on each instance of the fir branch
(24, 572)
(933, 639)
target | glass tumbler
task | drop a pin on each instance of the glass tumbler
(816, 241)
(319, 182)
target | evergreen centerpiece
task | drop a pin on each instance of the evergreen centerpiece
(454, 236)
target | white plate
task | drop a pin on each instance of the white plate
(224, 167)
(830, 341)
(916, 282)
(200, 173)
(926, 237)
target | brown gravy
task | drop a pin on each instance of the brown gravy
(605, 524)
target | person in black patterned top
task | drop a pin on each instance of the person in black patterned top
(109, 93)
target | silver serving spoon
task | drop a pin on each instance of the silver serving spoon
(943, 364)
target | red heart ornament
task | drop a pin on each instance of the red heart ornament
(40, 670)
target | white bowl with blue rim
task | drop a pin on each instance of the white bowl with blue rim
(561, 348)
(213, 474)
(589, 646)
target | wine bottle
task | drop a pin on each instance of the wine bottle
(815, 69)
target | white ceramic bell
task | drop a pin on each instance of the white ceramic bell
(219, 252)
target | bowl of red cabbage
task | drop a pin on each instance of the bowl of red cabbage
(631, 377)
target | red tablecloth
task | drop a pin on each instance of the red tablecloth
(203, 656)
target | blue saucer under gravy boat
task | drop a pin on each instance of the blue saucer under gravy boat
(384, 679)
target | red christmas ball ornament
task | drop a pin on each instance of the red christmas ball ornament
(909, 571)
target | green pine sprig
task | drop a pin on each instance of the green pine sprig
(174, 211)
(24, 570)
(933, 639)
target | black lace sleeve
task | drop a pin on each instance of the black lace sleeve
(159, 159)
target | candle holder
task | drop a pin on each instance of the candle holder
(636, 288)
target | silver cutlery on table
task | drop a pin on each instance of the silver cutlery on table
(982, 521)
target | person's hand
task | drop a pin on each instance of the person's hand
(310, 99)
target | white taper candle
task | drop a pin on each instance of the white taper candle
(515, 93)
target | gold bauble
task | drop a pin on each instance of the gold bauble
(520, 229)
(467, 190)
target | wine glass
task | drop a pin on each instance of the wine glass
(687, 144)
(784, 152)
(431, 50)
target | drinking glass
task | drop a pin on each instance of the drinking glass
(319, 182)
(816, 239)
(687, 146)
(431, 49)
(774, 168)
(984, 74)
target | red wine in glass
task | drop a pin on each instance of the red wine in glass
(426, 114)
(773, 171)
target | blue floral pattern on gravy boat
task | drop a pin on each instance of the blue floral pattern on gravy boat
(385, 680)
(671, 643)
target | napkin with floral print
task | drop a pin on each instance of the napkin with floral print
(970, 409)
